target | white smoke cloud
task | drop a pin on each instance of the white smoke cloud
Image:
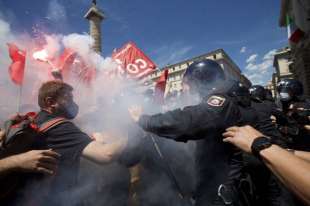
(52, 44)
(4, 34)
(79, 42)
(37, 72)
(83, 43)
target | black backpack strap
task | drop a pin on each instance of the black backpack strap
(51, 123)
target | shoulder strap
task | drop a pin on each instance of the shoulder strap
(51, 123)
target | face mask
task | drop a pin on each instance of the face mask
(69, 111)
(284, 96)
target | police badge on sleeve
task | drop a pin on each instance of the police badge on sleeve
(216, 101)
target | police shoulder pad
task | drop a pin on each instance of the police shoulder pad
(216, 101)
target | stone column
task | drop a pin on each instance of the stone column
(95, 17)
(95, 32)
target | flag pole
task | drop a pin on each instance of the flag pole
(21, 87)
(19, 98)
(288, 25)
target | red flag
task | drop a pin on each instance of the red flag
(66, 59)
(87, 75)
(84, 72)
(17, 68)
(133, 63)
(296, 36)
(160, 87)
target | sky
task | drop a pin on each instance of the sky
(168, 31)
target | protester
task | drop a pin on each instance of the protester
(292, 170)
(109, 184)
(56, 100)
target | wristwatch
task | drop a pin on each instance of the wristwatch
(291, 151)
(260, 144)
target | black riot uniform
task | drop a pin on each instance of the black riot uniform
(267, 190)
(296, 110)
(261, 101)
(206, 121)
(265, 107)
(218, 165)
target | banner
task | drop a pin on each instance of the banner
(133, 63)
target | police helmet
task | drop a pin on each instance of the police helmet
(258, 92)
(289, 89)
(203, 73)
(269, 96)
(241, 93)
(238, 89)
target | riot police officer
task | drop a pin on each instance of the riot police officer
(261, 101)
(266, 108)
(296, 109)
(266, 188)
(257, 92)
(222, 104)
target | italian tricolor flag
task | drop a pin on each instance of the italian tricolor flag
(293, 32)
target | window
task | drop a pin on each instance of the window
(214, 56)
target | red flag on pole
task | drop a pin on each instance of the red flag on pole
(160, 87)
(17, 67)
(133, 63)
(82, 71)
(66, 59)
(87, 73)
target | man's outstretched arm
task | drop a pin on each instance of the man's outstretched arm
(192, 122)
(293, 171)
(303, 155)
(104, 153)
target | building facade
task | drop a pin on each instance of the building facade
(301, 66)
(283, 66)
(298, 12)
(177, 70)
(283, 63)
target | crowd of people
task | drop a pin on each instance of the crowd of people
(247, 148)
